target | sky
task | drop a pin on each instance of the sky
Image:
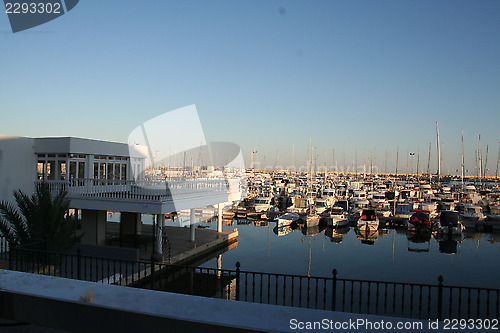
(371, 77)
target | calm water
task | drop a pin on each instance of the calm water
(388, 256)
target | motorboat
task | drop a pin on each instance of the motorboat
(429, 206)
(322, 204)
(402, 214)
(368, 220)
(494, 214)
(286, 219)
(473, 213)
(449, 223)
(337, 217)
(262, 204)
(357, 208)
(419, 221)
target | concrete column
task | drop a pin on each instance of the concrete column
(93, 227)
(130, 223)
(219, 217)
(160, 221)
(192, 226)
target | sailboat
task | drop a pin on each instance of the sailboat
(311, 218)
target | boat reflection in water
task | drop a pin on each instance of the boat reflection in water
(448, 244)
(312, 231)
(337, 234)
(282, 231)
(367, 235)
(419, 241)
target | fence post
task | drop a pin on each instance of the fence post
(11, 257)
(440, 297)
(238, 265)
(334, 288)
(152, 272)
(78, 263)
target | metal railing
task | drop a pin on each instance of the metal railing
(408, 300)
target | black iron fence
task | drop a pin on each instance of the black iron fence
(409, 300)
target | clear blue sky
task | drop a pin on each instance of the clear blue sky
(265, 74)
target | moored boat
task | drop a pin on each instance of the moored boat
(419, 221)
(286, 219)
(449, 223)
(368, 220)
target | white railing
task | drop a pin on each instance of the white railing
(150, 190)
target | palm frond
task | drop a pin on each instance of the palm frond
(13, 220)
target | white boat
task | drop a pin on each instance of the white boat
(310, 220)
(368, 220)
(494, 214)
(300, 205)
(286, 219)
(262, 204)
(357, 208)
(337, 218)
(429, 206)
(322, 204)
(473, 213)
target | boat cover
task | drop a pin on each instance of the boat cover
(420, 219)
(449, 219)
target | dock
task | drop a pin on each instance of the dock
(177, 247)
(182, 250)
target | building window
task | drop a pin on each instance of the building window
(81, 170)
(40, 170)
(123, 172)
(72, 169)
(50, 170)
(62, 170)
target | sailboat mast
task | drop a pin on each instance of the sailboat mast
(463, 160)
(438, 153)
(333, 160)
(485, 168)
(498, 162)
(480, 162)
(385, 161)
(429, 161)
(418, 163)
(397, 160)
(356, 161)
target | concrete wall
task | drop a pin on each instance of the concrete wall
(80, 306)
(17, 166)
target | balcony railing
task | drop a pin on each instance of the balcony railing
(147, 190)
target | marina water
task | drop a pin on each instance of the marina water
(389, 256)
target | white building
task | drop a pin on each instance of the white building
(98, 178)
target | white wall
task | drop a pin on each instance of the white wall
(17, 166)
